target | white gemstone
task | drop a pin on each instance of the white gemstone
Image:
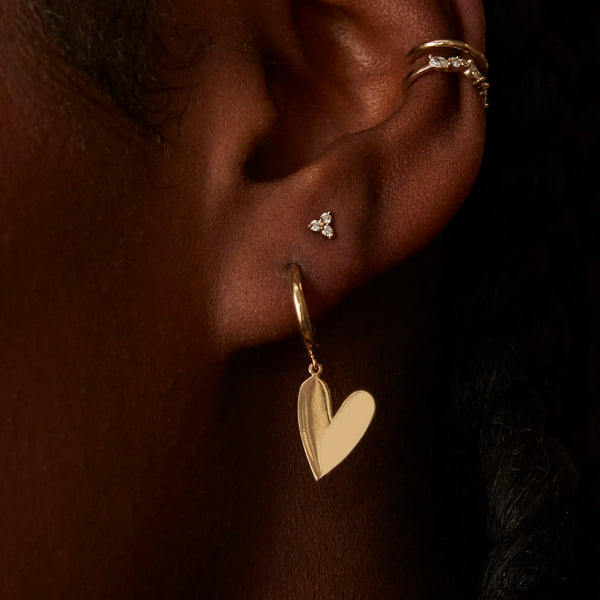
(438, 62)
(456, 62)
(315, 226)
(328, 231)
(326, 218)
(474, 73)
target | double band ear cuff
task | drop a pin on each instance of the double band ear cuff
(469, 62)
(327, 438)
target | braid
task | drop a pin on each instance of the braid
(514, 279)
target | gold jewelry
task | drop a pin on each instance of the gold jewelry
(323, 225)
(327, 438)
(470, 62)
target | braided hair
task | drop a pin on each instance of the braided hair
(515, 324)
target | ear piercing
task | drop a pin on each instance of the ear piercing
(469, 62)
(323, 225)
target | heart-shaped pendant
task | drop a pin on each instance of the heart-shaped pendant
(329, 439)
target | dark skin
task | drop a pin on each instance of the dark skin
(142, 455)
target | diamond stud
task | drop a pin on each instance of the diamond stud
(323, 225)
(457, 64)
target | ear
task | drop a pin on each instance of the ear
(338, 134)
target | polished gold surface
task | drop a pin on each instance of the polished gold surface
(307, 331)
(327, 439)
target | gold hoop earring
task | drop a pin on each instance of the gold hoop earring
(469, 62)
(327, 439)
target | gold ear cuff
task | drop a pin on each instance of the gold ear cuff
(469, 62)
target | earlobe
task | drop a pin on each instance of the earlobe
(391, 168)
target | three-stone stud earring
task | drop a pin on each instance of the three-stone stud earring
(327, 438)
(323, 225)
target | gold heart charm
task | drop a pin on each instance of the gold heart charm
(328, 440)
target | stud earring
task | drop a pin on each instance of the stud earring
(323, 225)
(327, 439)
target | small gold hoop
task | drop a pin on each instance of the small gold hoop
(307, 330)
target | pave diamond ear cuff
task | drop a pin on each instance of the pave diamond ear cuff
(469, 62)
(323, 225)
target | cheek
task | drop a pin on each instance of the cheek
(101, 259)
